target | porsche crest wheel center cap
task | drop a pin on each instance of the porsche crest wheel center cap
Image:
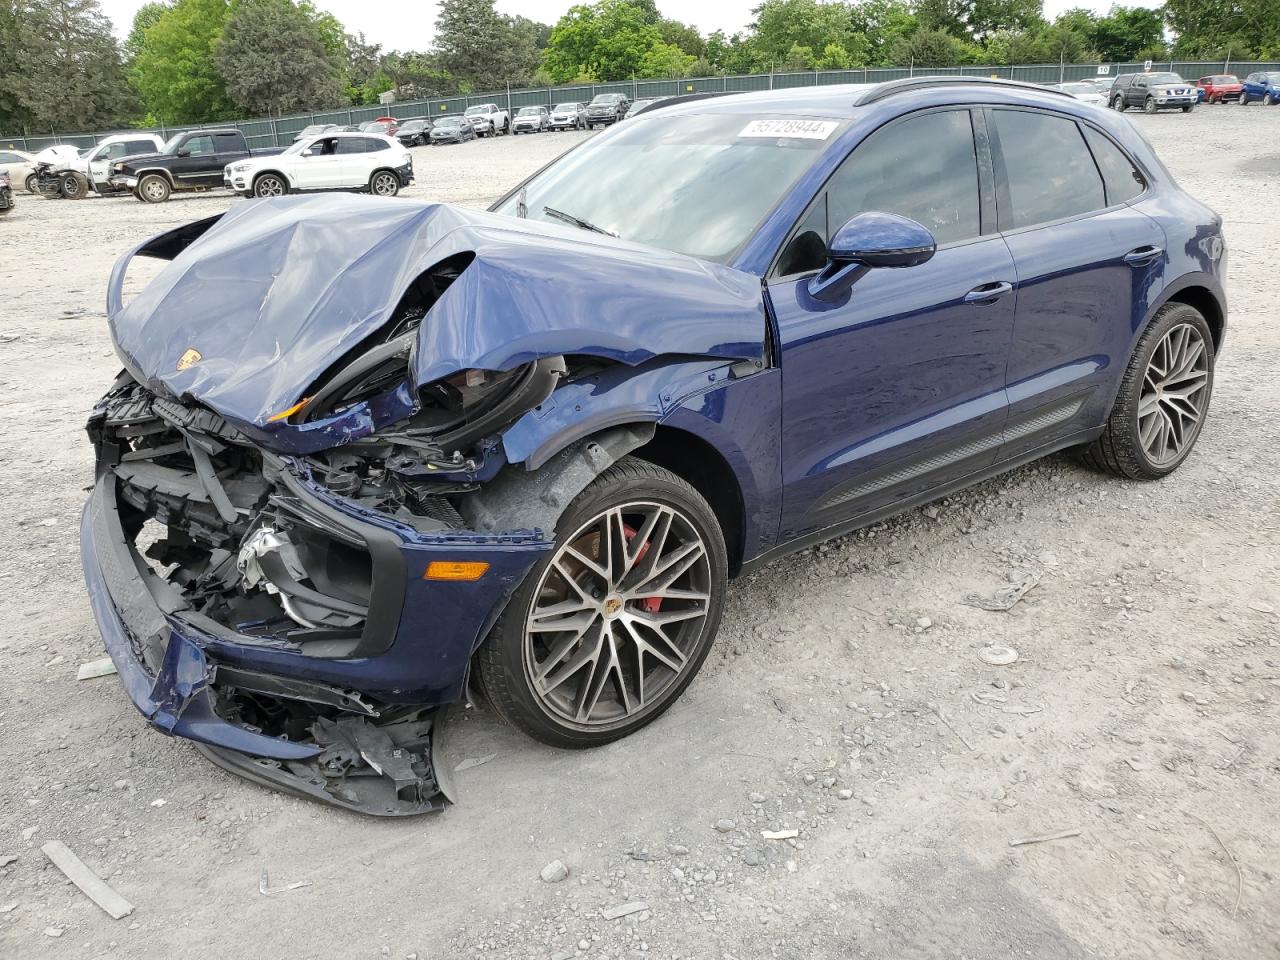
(612, 606)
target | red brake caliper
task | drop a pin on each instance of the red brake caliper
(648, 604)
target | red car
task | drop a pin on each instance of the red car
(388, 126)
(1220, 89)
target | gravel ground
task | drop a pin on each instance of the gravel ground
(1142, 711)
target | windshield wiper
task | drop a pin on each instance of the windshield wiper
(576, 221)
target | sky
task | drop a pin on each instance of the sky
(398, 25)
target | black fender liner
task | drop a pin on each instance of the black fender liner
(534, 499)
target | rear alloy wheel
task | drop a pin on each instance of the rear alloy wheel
(1149, 105)
(153, 188)
(384, 183)
(1118, 104)
(1163, 399)
(270, 185)
(606, 632)
(32, 183)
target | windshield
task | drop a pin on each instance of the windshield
(694, 184)
(1272, 77)
(528, 112)
(566, 107)
(1227, 79)
(412, 125)
(313, 129)
(476, 111)
(298, 146)
(1165, 78)
(448, 121)
(1078, 88)
(608, 98)
(171, 144)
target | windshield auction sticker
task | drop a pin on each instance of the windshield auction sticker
(796, 129)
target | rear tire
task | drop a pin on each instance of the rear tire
(631, 671)
(154, 188)
(32, 184)
(1117, 104)
(384, 183)
(1160, 388)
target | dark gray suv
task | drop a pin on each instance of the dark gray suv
(607, 108)
(1152, 92)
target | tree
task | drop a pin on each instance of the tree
(176, 71)
(481, 48)
(147, 14)
(932, 48)
(784, 28)
(608, 39)
(60, 66)
(1123, 34)
(273, 60)
(415, 74)
(663, 61)
(682, 35)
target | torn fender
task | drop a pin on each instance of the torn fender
(259, 303)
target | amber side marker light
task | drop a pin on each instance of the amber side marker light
(286, 414)
(463, 571)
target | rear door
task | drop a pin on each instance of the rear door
(1087, 266)
(360, 156)
(228, 148)
(900, 388)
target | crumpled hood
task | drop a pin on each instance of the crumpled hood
(274, 292)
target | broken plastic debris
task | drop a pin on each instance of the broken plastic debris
(997, 655)
(265, 889)
(779, 834)
(1004, 599)
(470, 762)
(96, 668)
(624, 910)
(89, 883)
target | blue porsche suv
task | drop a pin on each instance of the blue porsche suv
(364, 456)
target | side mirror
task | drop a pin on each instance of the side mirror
(307, 152)
(184, 152)
(866, 241)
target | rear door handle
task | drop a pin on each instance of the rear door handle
(988, 292)
(1142, 255)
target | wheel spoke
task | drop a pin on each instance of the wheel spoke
(587, 654)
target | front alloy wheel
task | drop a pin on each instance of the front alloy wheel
(269, 185)
(1149, 106)
(606, 633)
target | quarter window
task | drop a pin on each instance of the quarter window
(925, 168)
(1048, 171)
(1122, 179)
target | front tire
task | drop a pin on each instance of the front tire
(1163, 400)
(73, 186)
(270, 185)
(1268, 99)
(1149, 105)
(1188, 108)
(153, 188)
(607, 631)
(1244, 99)
(32, 183)
(1117, 104)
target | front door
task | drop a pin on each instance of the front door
(900, 387)
(192, 165)
(1087, 266)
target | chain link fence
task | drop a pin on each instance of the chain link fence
(280, 131)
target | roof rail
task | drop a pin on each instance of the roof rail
(891, 88)
(665, 102)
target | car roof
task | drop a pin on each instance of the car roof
(844, 101)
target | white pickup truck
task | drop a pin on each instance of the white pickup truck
(488, 119)
(63, 172)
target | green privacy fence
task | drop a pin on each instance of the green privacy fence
(279, 131)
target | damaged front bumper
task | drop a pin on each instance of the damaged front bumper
(351, 717)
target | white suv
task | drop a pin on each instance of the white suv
(330, 161)
(488, 119)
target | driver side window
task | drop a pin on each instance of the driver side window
(924, 167)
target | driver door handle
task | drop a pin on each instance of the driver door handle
(988, 292)
(1142, 255)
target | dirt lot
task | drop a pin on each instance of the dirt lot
(1142, 711)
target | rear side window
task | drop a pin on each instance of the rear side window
(140, 146)
(1122, 179)
(1049, 173)
(229, 142)
(924, 168)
